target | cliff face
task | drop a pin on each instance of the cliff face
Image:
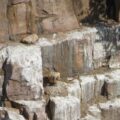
(3, 21)
(19, 18)
(72, 54)
(61, 70)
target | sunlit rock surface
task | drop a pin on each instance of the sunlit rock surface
(62, 108)
(81, 50)
(115, 60)
(74, 89)
(10, 114)
(34, 109)
(3, 21)
(26, 79)
(109, 110)
(87, 88)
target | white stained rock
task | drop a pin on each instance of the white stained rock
(74, 89)
(113, 81)
(110, 110)
(89, 117)
(30, 39)
(34, 107)
(95, 112)
(100, 79)
(28, 59)
(87, 88)
(11, 115)
(65, 108)
(115, 61)
(15, 116)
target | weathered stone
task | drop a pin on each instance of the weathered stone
(94, 113)
(113, 84)
(31, 109)
(3, 21)
(110, 110)
(30, 39)
(74, 89)
(79, 51)
(18, 1)
(87, 88)
(104, 111)
(70, 54)
(62, 108)
(17, 15)
(10, 114)
(1, 83)
(58, 89)
(53, 15)
(115, 60)
(27, 71)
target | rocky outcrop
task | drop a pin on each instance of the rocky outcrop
(37, 16)
(10, 114)
(3, 21)
(32, 110)
(104, 111)
(115, 60)
(80, 50)
(26, 78)
(69, 106)
(75, 55)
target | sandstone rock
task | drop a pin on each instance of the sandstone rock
(34, 109)
(1, 83)
(115, 61)
(30, 39)
(3, 21)
(74, 89)
(77, 53)
(95, 112)
(84, 49)
(27, 71)
(17, 14)
(53, 15)
(88, 11)
(62, 108)
(105, 44)
(113, 83)
(104, 111)
(100, 80)
(110, 110)
(87, 88)
(59, 89)
(10, 114)
(18, 1)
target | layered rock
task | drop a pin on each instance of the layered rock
(3, 21)
(31, 109)
(26, 79)
(10, 114)
(79, 51)
(115, 60)
(104, 111)
(18, 15)
(63, 108)
(56, 16)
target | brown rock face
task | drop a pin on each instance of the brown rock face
(18, 1)
(3, 20)
(87, 10)
(17, 90)
(17, 19)
(56, 15)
